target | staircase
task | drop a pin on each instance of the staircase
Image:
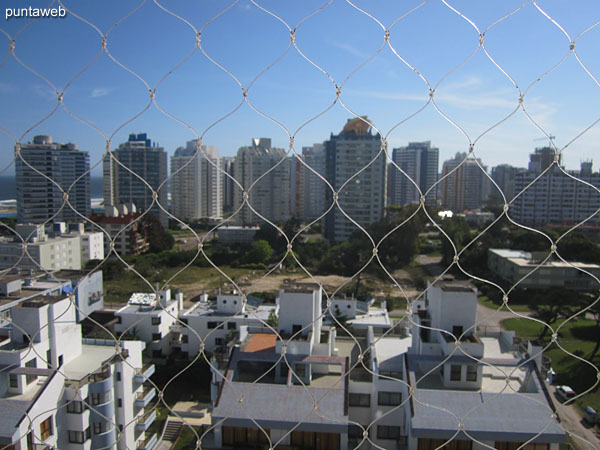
(172, 430)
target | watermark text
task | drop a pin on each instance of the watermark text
(16, 13)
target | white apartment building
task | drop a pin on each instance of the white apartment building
(61, 391)
(141, 163)
(363, 197)
(464, 184)
(196, 182)
(39, 199)
(297, 391)
(59, 251)
(209, 325)
(269, 196)
(151, 320)
(556, 198)
(418, 163)
(515, 265)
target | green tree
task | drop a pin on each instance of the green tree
(158, 238)
(260, 253)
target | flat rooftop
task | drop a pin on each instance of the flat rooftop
(90, 360)
(524, 259)
(260, 342)
(210, 309)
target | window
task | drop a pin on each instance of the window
(300, 370)
(88, 433)
(184, 321)
(455, 372)
(389, 398)
(390, 374)
(516, 445)
(184, 338)
(75, 407)
(231, 326)
(49, 359)
(211, 325)
(101, 427)
(32, 363)
(360, 400)
(46, 428)
(156, 320)
(13, 381)
(100, 399)
(156, 336)
(119, 403)
(76, 437)
(60, 360)
(118, 376)
(457, 331)
(389, 432)
(471, 373)
(218, 341)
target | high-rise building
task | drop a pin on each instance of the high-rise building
(466, 187)
(419, 161)
(196, 185)
(314, 186)
(542, 158)
(360, 195)
(269, 195)
(40, 198)
(555, 197)
(504, 176)
(141, 170)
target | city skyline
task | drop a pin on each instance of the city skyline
(475, 96)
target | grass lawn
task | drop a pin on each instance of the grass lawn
(187, 440)
(577, 337)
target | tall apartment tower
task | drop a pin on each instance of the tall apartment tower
(38, 198)
(465, 188)
(142, 164)
(314, 186)
(269, 196)
(419, 160)
(363, 197)
(504, 176)
(227, 163)
(196, 184)
(555, 197)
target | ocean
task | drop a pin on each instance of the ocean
(8, 190)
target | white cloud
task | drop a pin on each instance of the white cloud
(100, 92)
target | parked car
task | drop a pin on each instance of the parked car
(590, 415)
(565, 393)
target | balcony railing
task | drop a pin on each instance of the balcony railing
(143, 398)
(145, 372)
(149, 443)
(144, 421)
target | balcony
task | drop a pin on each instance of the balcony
(143, 374)
(148, 444)
(143, 398)
(146, 419)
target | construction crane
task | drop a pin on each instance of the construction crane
(550, 138)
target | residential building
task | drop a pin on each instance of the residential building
(314, 182)
(196, 184)
(556, 197)
(310, 387)
(61, 391)
(88, 289)
(134, 172)
(45, 171)
(279, 400)
(125, 227)
(52, 251)
(264, 174)
(504, 176)
(453, 372)
(360, 195)
(151, 319)
(419, 170)
(210, 325)
(531, 270)
(463, 183)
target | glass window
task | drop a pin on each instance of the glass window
(471, 373)
(13, 380)
(31, 363)
(231, 326)
(156, 320)
(75, 407)
(360, 400)
(76, 437)
(389, 398)
(390, 432)
(46, 428)
(156, 336)
(455, 372)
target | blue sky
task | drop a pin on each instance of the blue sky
(245, 40)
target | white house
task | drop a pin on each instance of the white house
(58, 390)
